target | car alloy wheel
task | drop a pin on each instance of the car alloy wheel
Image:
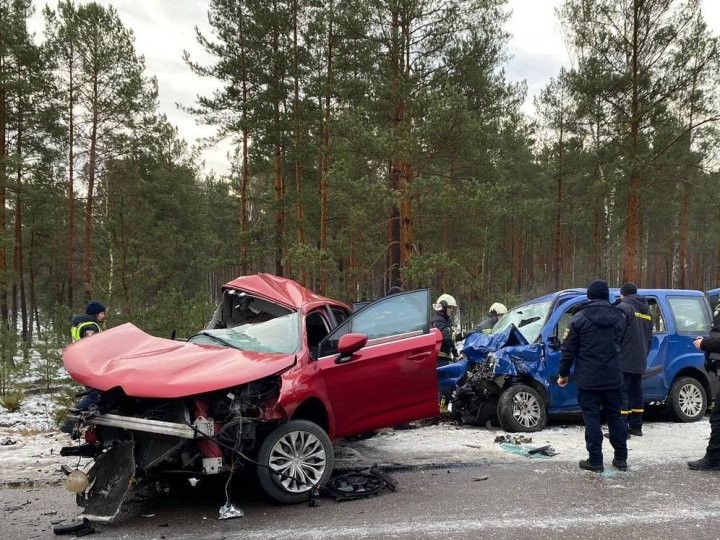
(687, 400)
(293, 459)
(521, 409)
(526, 409)
(691, 400)
(299, 459)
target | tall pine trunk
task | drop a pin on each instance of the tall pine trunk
(632, 225)
(92, 161)
(325, 159)
(557, 251)
(245, 174)
(396, 165)
(70, 269)
(3, 190)
(299, 205)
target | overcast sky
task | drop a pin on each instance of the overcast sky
(164, 28)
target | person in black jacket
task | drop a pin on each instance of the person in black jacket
(593, 345)
(445, 309)
(633, 353)
(711, 345)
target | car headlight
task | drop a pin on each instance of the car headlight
(488, 369)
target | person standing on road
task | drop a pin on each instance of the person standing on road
(593, 345)
(496, 311)
(711, 345)
(633, 353)
(445, 309)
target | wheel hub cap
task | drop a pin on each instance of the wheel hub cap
(690, 400)
(299, 460)
(526, 409)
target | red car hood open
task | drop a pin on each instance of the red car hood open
(147, 366)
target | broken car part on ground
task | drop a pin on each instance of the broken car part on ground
(278, 373)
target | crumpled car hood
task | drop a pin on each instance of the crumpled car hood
(147, 366)
(513, 354)
(477, 346)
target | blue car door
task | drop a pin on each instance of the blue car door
(654, 385)
(561, 399)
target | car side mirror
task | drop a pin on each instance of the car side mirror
(349, 344)
(553, 342)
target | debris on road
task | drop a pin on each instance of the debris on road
(546, 450)
(513, 439)
(230, 511)
(7, 441)
(81, 528)
(480, 478)
(357, 485)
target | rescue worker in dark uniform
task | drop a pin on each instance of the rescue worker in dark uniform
(82, 326)
(593, 345)
(496, 311)
(633, 353)
(445, 308)
(711, 345)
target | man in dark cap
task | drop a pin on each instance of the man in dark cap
(593, 345)
(88, 323)
(633, 353)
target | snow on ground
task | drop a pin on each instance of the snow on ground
(35, 414)
(34, 457)
(447, 444)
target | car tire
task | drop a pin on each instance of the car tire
(687, 399)
(522, 409)
(303, 452)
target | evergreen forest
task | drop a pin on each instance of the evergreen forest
(375, 143)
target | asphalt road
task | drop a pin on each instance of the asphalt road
(521, 500)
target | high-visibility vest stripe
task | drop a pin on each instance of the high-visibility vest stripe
(75, 330)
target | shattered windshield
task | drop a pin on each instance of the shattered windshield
(279, 335)
(528, 318)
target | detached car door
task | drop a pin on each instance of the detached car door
(392, 379)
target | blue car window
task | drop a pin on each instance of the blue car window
(690, 315)
(658, 321)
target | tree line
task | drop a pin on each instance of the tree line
(376, 143)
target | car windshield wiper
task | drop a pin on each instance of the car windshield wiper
(217, 339)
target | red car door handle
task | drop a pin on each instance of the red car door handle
(419, 356)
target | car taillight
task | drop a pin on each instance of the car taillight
(91, 435)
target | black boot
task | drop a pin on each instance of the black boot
(588, 466)
(704, 464)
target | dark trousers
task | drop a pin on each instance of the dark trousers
(632, 405)
(713, 447)
(593, 403)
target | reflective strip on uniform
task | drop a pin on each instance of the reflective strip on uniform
(638, 410)
(75, 330)
(624, 412)
(643, 316)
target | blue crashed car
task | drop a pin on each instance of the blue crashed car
(512, 373)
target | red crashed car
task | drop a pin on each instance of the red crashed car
(275, 376)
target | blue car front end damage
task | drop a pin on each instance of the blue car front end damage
(491, 363)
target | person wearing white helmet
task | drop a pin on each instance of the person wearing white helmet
(445, 308)
(496, 311)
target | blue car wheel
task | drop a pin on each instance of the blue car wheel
(522, 409)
